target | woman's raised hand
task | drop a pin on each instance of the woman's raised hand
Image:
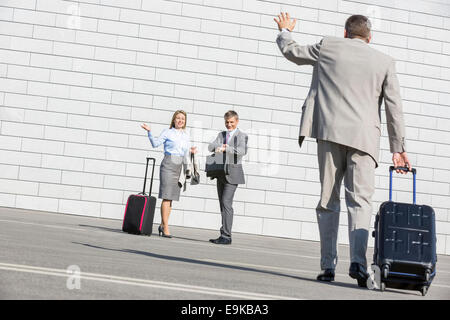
(145, 126)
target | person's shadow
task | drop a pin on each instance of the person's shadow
(219, 265)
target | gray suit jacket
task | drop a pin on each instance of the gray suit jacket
(236, 146)
(349, 82)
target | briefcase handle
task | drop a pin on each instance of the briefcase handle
(414, 172)
(145, 178)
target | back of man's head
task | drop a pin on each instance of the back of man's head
(358, 26)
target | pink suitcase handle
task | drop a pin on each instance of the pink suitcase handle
(145, 178)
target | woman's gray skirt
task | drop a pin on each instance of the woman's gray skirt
(169, 174)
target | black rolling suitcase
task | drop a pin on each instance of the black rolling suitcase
(140, 209)
(405, 243)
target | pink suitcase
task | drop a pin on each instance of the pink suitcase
(140, 209)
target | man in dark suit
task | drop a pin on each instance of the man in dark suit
(233, 142)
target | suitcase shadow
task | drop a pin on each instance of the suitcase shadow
(102, 228)
(155, 232)
(221, 265)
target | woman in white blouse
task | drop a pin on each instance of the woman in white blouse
(176, 147)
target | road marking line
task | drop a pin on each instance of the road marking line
(145, 283)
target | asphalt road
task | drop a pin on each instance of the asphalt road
(49, 256)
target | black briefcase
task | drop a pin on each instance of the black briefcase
(216, 165)
(405, 243)
(140, 209)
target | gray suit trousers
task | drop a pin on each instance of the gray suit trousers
(336, 163)
(226, 192)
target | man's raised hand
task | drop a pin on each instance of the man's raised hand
(284, 21)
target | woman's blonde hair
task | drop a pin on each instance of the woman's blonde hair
(172, 123)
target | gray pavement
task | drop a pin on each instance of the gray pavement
(40, 254)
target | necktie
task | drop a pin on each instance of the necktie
(227, 137)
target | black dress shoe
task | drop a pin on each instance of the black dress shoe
(358, 272)
(220, 240)
(326, 275)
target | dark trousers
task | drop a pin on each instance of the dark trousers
(226, 192)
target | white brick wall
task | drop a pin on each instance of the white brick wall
(77, 78)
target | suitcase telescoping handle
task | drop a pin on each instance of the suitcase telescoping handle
(145, 178)
(413, 170)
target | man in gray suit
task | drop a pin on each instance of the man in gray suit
(234, 143)
(342, 111)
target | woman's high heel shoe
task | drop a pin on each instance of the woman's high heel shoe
(161, 231)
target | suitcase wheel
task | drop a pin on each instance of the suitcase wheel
(424, 290)
(427, 275)
(385, 271)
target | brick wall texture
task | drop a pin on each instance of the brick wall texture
(77, 78)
